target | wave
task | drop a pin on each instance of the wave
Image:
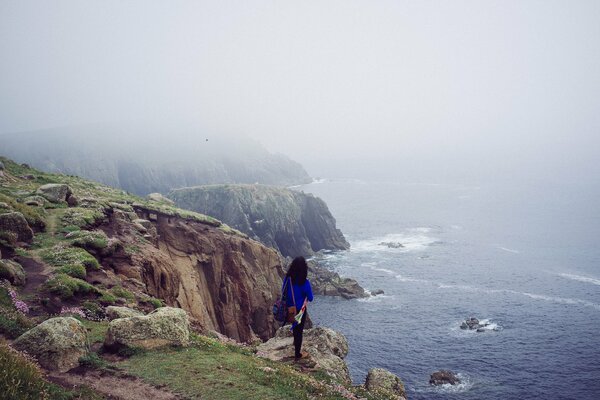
(466, 383)
(414, 239)
(580, 278)
(318, 181)
(403, 278)
(509, 250)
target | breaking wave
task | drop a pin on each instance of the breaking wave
(580, 278)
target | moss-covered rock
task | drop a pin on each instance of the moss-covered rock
(13, 272)
(162, 327)
(61, 255)
(382, 382)
(114, 312)
(15, 222)
(89, 240)
(55, 192)
(36, 201)
(66, 286)
(57, 343)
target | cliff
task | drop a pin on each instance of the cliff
(293, 222)
(146, 159)
(106, 247)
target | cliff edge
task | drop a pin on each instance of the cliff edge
(295, 223)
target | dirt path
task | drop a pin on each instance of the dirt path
(113, 385)
(37, 273)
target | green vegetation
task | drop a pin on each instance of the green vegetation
(74, 270)
(107, 298)
(96, 330)
(211, 369)
(122, 293)
(81, 217)
(66, 286)
(96, 240)
(12, 323)
(156, 303)
(61, 255)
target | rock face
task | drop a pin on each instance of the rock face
(15, 223)
(443, 377)
(13, 272)
(55, 192)
(114, 312)
(328, 283)
(381, 381)
(227, 283)
(56, 343)
(326, 347)
(162, 327)
(293, 222)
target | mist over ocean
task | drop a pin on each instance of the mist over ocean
(525, 258)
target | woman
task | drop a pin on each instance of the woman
(301, 293)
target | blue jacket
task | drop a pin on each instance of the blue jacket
(301, 292)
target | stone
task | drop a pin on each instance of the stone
(326, 347)
(480, 330)
(443, 377)
(56, 343)
(37, 201)
(329, 283)
(114, 312)
(72, 201)
(464, 325)
(162, 327)
(377, 292)
(13, 272)
(15, 222)
(55, 192)
(381, 381)
(160, 198)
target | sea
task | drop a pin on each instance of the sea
(525, 260)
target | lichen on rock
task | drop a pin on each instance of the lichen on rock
(382, 381)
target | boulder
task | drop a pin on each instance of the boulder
(13, 272)
(114, 312)
(328, 283)
(443, 377)
(36, 201)
(55, 192)
(15, 222)
(72, 201)
(326, 347)
(377, 292)
(381, 381)
(162, 327)
(160, 198)
(56, 343)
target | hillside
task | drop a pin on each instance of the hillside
(88, 258)
(145, 159)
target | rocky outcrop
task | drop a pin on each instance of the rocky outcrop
(159, 198)
(293, 222)
(444, 377)
(329, 283)
(15, 225)
(165, 326)
(475, 324)
(227, 283)
(55, 192)
(13, 272)
(56, 343)
(114, 312)
(326, 348)
(382, 382)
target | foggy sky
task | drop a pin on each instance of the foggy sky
(441, 89)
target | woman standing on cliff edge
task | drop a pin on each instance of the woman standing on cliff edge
(298, 294)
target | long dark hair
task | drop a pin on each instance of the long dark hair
(298, 271)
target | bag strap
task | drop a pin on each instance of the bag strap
(285, 281)
(292, 289)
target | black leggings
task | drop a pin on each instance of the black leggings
(298, 329)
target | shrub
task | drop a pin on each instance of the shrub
(21, 378)
(156, 303)
(66, 286)
(107, 298)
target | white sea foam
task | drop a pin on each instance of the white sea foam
(403, 278)
(465, 385)
(415, 239)
(318, 181)
(509, 250)
(580, 278)
(387, 271)
(375, 299)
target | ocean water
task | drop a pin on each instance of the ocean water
(526, 259)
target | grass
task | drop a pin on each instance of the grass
(81, 217)
(66, 286)
(96, 330)
(211, 369)
(12, 323)
(122, 293)
(96, 240)
(33, 215)
(61, 255)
